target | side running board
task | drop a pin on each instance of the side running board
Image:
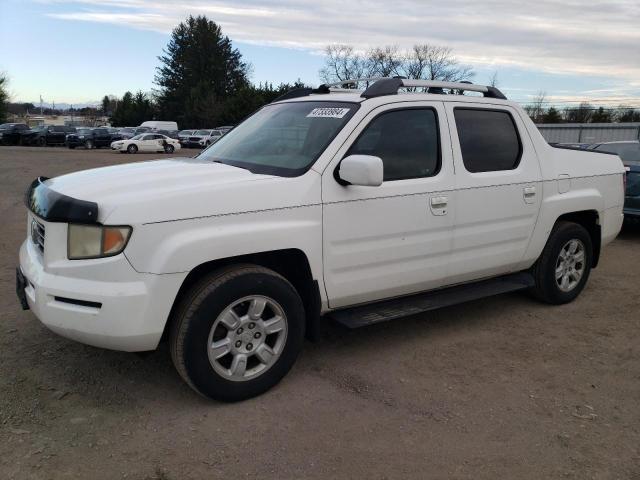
(401, 307)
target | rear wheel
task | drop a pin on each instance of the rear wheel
(237, 332)
(562, 270)
(42, 142)
(169, 148)
(132, 148)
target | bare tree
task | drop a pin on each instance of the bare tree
(536, 109)
(342, 62)
(424, 61)
(432, 62)
(493, 81)
(384, 62)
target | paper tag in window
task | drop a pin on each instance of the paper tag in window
(328, 112)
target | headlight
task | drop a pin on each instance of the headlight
(89, 241)
(80, 136)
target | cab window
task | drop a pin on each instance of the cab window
(407, 141)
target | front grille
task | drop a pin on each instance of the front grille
(37, 234)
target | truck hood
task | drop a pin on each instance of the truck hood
(176, 189)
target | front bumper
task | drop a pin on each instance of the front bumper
(102, 302)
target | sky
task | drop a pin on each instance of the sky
(77, 51)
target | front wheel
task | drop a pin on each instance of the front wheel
(88, 144)
(562, 270)
(132, 148)
(237, 332)
(169, 148)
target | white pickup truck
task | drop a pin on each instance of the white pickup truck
(362, 205)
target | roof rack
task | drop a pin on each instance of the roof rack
(390, 86)
(381, 86)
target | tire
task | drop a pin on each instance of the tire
(71, 147)
(169, 149)
(198, 323)
(88, 144)
(132, 148)
(42, 142)
(551, 271)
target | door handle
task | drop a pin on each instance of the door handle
(439, 202)
(529, 194)
(438, 205)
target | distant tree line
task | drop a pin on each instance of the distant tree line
(583, 113)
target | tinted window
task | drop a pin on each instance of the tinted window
(101, 131)
(406, 140)
(628, 152)
(488, 140)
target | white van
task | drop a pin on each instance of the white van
(160, 125)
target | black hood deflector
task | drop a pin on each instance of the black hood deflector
(53, 206)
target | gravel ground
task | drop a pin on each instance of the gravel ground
(499, 388)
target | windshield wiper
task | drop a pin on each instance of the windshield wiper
(231, 165)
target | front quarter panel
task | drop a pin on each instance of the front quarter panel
(180, 246)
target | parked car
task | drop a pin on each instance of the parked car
(47, 135)
(130, 132)
(183, 135)
(156, 125)
(363, 206)
(147, 142)
(212, 138)
(629, 152)
(89, 138)
(10, 133)
(193, 141)
(169, 133)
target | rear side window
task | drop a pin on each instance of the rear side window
(489, 139)
(407, 141)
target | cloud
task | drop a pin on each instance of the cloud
(597, 38)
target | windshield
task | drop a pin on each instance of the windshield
(84, 131)
(282, 139)
(137, 137)
(202, 132)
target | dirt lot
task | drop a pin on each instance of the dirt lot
(496, 389)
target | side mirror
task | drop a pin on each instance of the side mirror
(364, 170)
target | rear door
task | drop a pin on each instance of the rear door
(395, 239)
(498, 190)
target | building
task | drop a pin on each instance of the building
(589, 132)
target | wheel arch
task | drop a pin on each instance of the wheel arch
(590, 220)
(291, 263)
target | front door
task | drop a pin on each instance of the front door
(395, 239)
(499, 190)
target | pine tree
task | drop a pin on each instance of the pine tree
(200, 70)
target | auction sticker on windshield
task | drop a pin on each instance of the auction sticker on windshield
(328, 112)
